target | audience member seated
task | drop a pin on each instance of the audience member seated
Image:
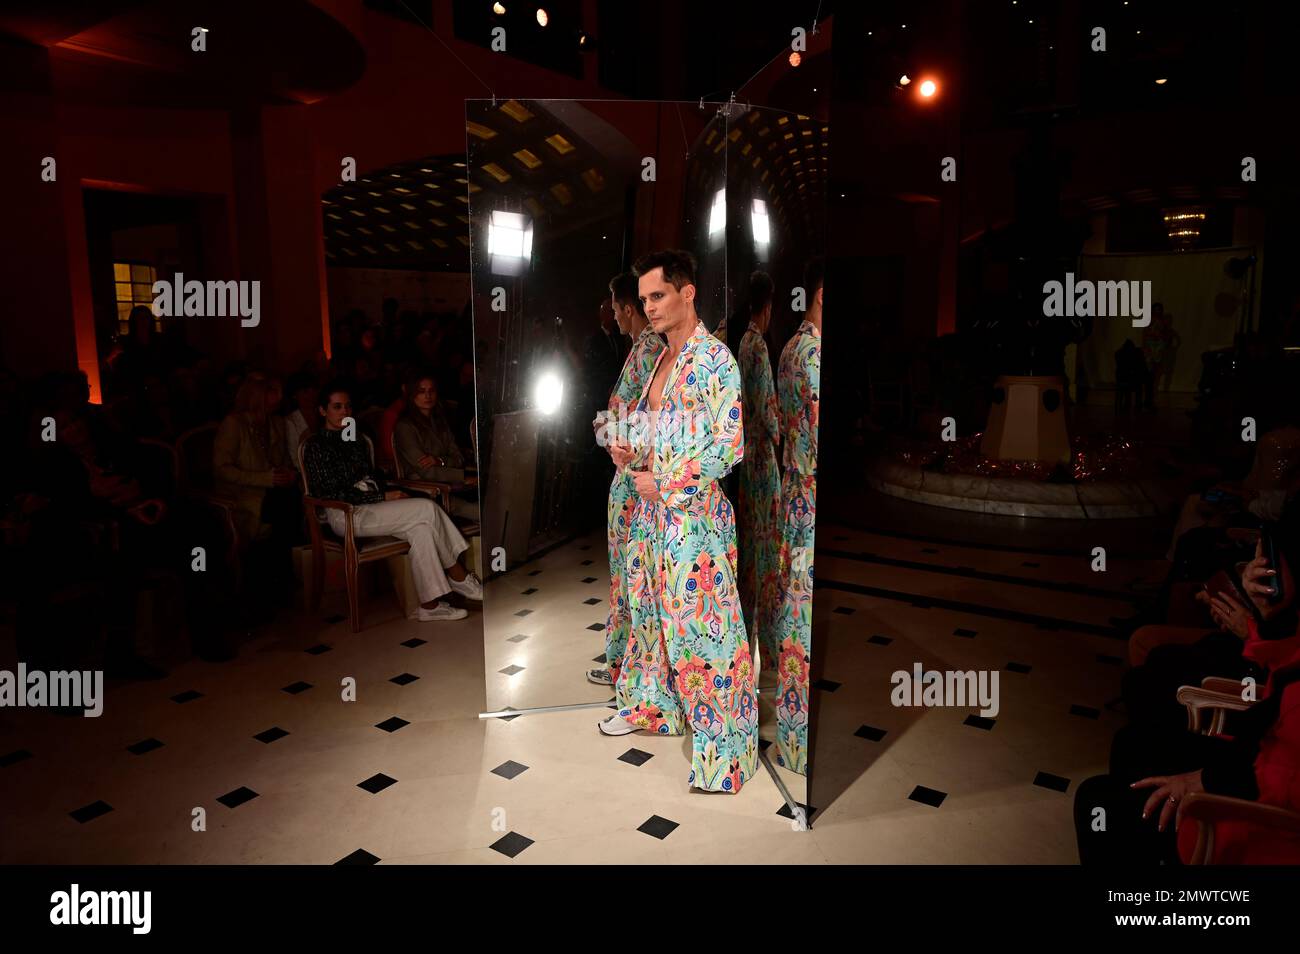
(426, 445)
(250, 462)
(342, 469)
(1251, 641)
(303, 420)
(1154, 769)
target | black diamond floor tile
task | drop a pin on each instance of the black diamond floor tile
(529, 592)
(1022, 668)
(657, 827)
(273, 734)
(523, 612)
(763, 744)
(586, 563)
(827, 685)
(297, 687)
(377, 783)
(844, 610)
(143, 746)
(635, 757)
(1054, 782)
(511, 669)
(405, 679)
(189, 695)
(596, 627)
(589, 579)
(335, 618)
(358, 857)
(965, 633)
(511, 844)
(413, 642)
(319, 649)
(91, 812)
(591, 601)
(517, 638)
(879, 640)
(808, 811)
(870, 733)
(510, 769)
(237, 797)
(980, 722)
(533, 572)
(600, 659)
(928, 796)
(392, 724)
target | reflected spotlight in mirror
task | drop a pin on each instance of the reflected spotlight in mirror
(510, 243)
(718, 217)
(548, 392)
(759, 226)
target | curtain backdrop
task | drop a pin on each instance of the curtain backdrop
(1204, 303)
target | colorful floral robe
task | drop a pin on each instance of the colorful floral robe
(760, 498)
(638, 368)
(688, 659)
(798, 391)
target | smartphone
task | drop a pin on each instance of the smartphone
(1268, 542)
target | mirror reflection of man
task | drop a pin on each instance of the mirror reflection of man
(798, 387)
(622, 498)
(760, 476)
(688, 659)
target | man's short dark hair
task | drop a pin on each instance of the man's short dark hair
(760, 291)
(678, 266)
(624, 291)
(814, 275)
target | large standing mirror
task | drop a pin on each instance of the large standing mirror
(776, 213)
(564, 198)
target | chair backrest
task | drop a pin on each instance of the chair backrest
(398, 471)
(194, 453)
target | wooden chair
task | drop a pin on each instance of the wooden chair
(1216, 697)
(355, 551)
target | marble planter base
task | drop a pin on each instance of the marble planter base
(1100, 500)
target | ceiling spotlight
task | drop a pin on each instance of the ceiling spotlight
(542, 18)
(499, 9)
(795, 58)
(928, 88)
(583, 39)
(1162, 81)
(904, 80)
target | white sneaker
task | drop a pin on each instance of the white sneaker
(600, 677)
(442, 612)
(615, 725)
(470, 587)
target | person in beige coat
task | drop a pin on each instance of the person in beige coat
(249, 456)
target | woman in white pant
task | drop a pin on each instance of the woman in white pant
(339, 468)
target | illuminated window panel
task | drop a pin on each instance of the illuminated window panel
(121, 272)
(516, 111)
(133, 285)
(594, 180)
(754, 117)
(478, 130)
(562, 193)
(463, 181)
(426, 170)
(528, 158)
(496, 172)
(802, 117)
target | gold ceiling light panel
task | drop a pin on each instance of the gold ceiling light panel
(756, 162)
(534, 207)
(562, 193)
(463, 181)
(461, 198)
(474, 187)
(718, 148)
(559, 144)
(435, 203)
(439, 223)
(415, 245)
(380, 208)
(516, 111)
(495, 171)
(463, 240)
(334, 215)
(479, 131)
(377, 195)
(343, 232)
(402, 190)
(391, 247)
(370, 248)
(782, 120)
(528, 158)
(708, 140)
(807, 132)
(764, 131)
(411, 225)
(464, 218)
(594, 180)
(364, 231)
(408, 207)
(440, 243)
(426, 170)
(358, 213)
(734, 134)
(788, 136)
(386, 227)
(432, 185)
(749, 146)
